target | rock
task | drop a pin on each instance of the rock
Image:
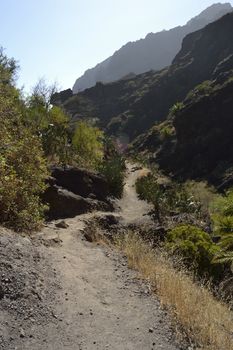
(136, 168)
(73, 191)
(22, 333)
(62, 224)
(65, 204)
(108, 220)
(151, 330)
(88, 236)
(59, 98)
(92, 196)
(81, 182)
(1, 293)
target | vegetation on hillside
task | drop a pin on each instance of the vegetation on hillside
(22, 164)
(34, 135)
(198, 223)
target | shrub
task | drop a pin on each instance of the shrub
(113, 169)
(222, 217)
(195, 247)
(201, 192)
(50, 122)
(166, 199)
(149, 190)
(202, 89)
(178, 106)
(165, 129)
(22, 166)
(88, 145)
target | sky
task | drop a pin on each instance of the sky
(59, 39)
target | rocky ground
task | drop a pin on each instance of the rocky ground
(60, 291)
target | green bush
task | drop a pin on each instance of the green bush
(166, 199)
(195, 247)
(87, 144)
(22, 165)
(113, 169)
(222, 218)
(50, 122)
(178, 106)
(202, 89)
(149, 190)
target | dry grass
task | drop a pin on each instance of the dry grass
(208, 322)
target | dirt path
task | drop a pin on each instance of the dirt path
(101, 304)
(131, 209)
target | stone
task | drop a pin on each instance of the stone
(22, 333)
(62, 224)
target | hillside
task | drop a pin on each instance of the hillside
(196, 140)
(154, 52)
(133, 106)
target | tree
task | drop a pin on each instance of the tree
(22, 166)
(87, 143)
(50, 122)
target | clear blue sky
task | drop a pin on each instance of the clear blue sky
(60, 39)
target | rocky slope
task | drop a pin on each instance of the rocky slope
(196, 141)
(154, 52)
(133, 106)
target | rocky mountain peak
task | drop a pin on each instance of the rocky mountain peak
(212, 12)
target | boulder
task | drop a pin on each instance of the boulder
(81, 182)
(65, 204)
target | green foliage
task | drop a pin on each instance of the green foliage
(8, 68)
(87, 144)
(178, 106)
(222, 217)
(112, 168)
(195, 247)
(201, 192)
(50, 122)
(22, 166)
(166, 130)
(166, 198)
(148, 189)
(202, 89)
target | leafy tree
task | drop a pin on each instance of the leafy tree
(112, 168)
(50, 122)
(87, 143)
(22, 166)
(172, 197)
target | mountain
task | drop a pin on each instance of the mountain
(133, 106)
(195, 141)
(154, 52)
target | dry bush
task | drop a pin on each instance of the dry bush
(206, 321)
